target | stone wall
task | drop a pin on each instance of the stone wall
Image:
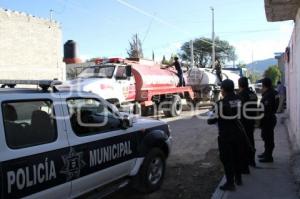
(30, 47)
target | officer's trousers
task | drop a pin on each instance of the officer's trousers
(181, 79)
(250, 150)
(267, 134)
(230, 155)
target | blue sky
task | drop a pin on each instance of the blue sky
(104, 27)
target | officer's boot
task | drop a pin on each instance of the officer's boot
(252, 163)
(238, 180)
(268, 158)
(228, 187)
(229, 184)
(262, 155)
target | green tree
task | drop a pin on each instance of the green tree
(241, 65)
(135, 47)
(203, 50)
(273, 72)
(254, 77)
(164, 60)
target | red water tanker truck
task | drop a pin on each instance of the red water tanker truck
(145, 86)
(140, 84)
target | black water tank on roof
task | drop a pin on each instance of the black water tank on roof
(70, 50)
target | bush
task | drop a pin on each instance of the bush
(274, 73)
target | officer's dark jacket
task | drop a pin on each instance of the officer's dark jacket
(270, 102)
(229, 106)
(248, 96)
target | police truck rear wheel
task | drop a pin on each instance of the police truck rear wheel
(174, 108)
(152, 171)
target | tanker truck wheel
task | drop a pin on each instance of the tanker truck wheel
(137, 109)
(174, 107)
(147, 110)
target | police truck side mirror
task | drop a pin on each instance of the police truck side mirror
(126, 122)
(128, 71)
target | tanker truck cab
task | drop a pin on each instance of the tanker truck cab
(56, 144)
(112, 81)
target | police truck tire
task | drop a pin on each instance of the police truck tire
(152, 171)
(174, 108)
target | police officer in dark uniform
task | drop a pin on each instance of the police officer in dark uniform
(229, 139)
(179, 71)
(249, 101)
(270, 103)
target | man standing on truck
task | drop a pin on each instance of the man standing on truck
(218, 69)
(177, 66)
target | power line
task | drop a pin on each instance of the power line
(145, 13)
(251, 31)
(147, 31)
(162, 21)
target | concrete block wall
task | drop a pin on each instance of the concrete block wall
(30, 47)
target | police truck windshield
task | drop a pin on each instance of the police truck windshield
(106, 71)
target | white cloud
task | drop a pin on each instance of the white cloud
(286, 28)
(259, 49)
(264, 48)
(167, 50)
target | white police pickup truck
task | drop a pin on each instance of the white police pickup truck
(61, 145)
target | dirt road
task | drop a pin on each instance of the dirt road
(193, 169)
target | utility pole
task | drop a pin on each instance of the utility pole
(137, 46)
(213, 56)
(192, 53)
(153, 56)
(51, 14)
(252, 60)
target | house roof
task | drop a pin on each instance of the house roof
(281, 10)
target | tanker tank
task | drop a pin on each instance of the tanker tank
(151, 77)
(204, 80)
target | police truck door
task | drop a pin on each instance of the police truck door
(33, 147)
(101, 151)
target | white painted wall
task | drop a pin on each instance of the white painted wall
(292, 70)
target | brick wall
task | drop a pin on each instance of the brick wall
(30, 47)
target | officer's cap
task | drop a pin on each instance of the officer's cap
(243, 82)
(227, 85)
(267, 82)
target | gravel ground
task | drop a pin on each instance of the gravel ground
(186, 181)
(193, 169)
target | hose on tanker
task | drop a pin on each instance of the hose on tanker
(172, 71)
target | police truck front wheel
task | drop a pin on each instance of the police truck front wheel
(152, 171)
